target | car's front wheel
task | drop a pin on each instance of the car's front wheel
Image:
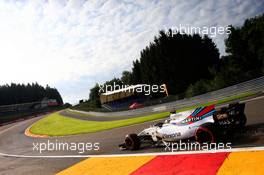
(132, 142)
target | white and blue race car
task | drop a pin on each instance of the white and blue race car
(204, 124)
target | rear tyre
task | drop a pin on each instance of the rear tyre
(242, 121)
(132, 142)
(205, 134)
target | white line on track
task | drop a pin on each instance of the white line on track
(252, 99)
(140, 154)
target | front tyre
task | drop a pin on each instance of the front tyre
(132, 142)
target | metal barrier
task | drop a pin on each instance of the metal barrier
(251, 86)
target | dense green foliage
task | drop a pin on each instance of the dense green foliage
(176, 60)
(20, 93)
(245, 59)
(191, 65)
(246, 48)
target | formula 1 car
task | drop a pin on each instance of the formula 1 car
(203, 124)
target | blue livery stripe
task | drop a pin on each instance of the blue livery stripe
(208, 114)
(197, 111)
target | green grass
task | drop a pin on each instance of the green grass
(58, 125)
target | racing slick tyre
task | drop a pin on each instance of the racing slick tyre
(132, 142)
(242, 121)
(159, 124)
(206, 133)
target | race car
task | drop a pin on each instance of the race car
(203, 124)
(136, 105)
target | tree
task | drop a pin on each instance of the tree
(177, 60)
(245, 59)
(191, 64)
(94, 96)
(136, 73)
(94, 92)
(21, 93)
(245, 46)
(126, 77)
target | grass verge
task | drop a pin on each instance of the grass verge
(58, 125)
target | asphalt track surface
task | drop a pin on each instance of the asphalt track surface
(67, 113)
(15, 146)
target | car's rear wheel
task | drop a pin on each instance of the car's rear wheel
(132, 142)
(242, 121)
(205, 134)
